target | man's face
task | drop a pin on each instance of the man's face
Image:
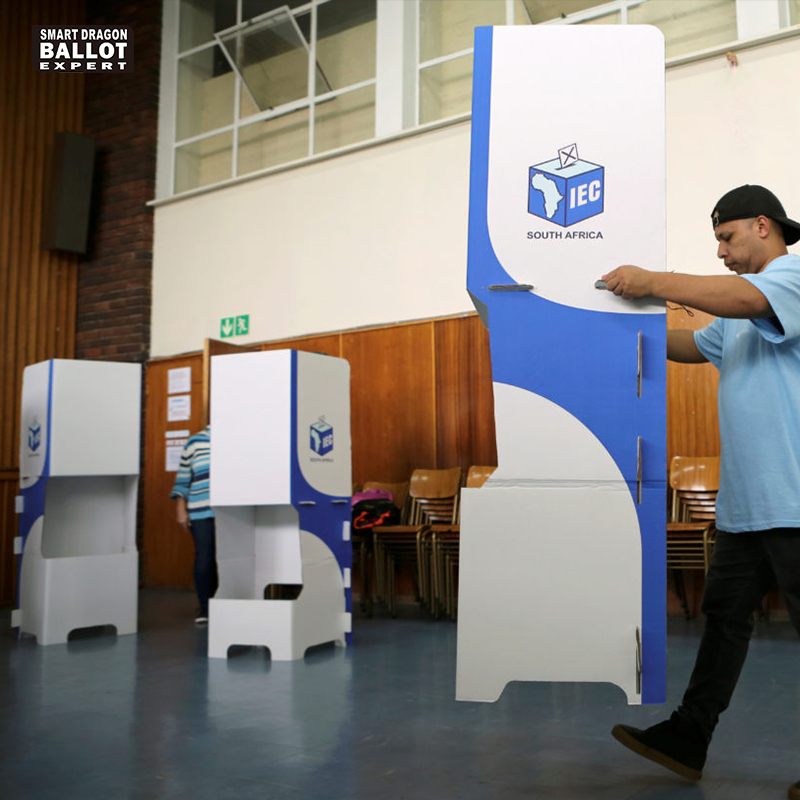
(740, 246)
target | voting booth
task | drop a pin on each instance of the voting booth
(562, 570)
(280, 489)
(79, 468)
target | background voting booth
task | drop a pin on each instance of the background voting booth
(280, 489)
(562, 551)
(79, 467)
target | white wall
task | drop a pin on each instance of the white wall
(727, 126)
(379, 235)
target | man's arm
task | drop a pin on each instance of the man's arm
(681, 347)
(721, 295)
(181, 512)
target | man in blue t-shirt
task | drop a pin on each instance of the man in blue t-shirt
(755, 343)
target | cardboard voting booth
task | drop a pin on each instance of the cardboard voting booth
(79, 467)
(280, 489)
(562, 551)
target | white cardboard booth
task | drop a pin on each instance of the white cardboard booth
(562, 567)
(280, 489)
(79, 467)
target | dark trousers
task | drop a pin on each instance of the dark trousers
(744, 567)
(205, 561)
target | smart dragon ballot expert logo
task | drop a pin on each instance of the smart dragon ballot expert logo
(83, 48)
(567, 189)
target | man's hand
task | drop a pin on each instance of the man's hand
(721, 295)
(181, 513)
(629, 282)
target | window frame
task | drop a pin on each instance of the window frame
(397, 76)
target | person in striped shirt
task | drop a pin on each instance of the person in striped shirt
(195, 515)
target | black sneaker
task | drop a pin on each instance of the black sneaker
(794, 791)
(668, 744)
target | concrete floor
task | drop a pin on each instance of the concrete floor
(149, 716)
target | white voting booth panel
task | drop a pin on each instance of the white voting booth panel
(280, 487)
(79, 466)
(562, 574)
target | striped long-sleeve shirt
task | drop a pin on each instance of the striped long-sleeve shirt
(191, 481)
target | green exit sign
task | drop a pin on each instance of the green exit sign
(234, 326)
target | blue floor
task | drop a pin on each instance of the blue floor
(149, 716)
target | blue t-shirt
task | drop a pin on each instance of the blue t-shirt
(759, 405)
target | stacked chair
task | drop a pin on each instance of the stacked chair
(444, 549)
(363, 541)
(433, 501)
(694, 483)
(426, 538)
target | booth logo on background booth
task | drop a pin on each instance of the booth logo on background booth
(566, 189)
(321, 437)
(34, 436)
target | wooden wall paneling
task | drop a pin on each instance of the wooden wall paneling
(330, 344)
(392, 401)
(37, 287)
(465, 432)
(692, 421)
(168, 553)
(9, 488)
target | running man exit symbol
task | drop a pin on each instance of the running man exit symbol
(234, 326)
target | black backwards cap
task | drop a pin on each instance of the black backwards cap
(754, 201)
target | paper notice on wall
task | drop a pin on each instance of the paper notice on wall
(179, 407)
(174, 449)
(179, 380)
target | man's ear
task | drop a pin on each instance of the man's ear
(763, 226)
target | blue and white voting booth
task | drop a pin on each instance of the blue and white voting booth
(79, 472)
(562, 572)
(280, 489)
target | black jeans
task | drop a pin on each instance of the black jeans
(205, 561)
(744, 567)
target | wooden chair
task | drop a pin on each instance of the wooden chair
(363, 547)
(694, 482)
(445, 541)
(433, 500)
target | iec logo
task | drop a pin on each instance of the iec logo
(34, 436)
(321, 437)
(566, 190)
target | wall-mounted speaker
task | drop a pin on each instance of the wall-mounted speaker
(68, 199)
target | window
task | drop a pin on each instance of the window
(688, 27)
(255, 84)
(446, 31)
(265, 82)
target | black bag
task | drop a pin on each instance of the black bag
(370, 513)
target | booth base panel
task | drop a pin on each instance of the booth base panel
(60, 595)
(286, 627)
(550, 588)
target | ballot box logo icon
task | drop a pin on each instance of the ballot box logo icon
(566, 189)
(321, 437)
(34, 436)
